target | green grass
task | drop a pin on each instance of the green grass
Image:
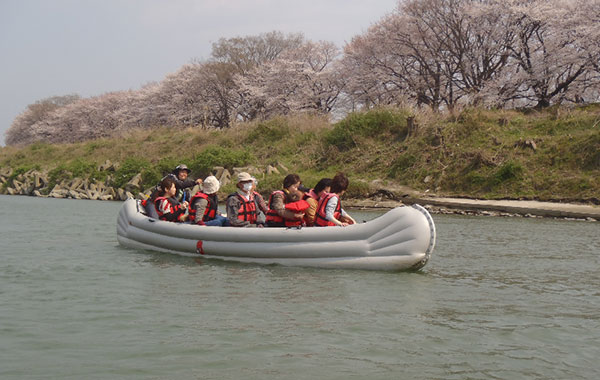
(472, 153)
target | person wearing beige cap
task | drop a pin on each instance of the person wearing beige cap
(204, 205)
(241, 206)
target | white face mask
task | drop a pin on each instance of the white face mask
(248, 186)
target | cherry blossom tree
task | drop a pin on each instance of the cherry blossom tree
(553, 53)
(305, 79)
(433, 53)
(21, 131)
(407, 55)
(446, 52)
(247, 53)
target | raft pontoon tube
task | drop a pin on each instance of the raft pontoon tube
(401, 239)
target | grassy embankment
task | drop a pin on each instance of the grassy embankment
(475, 153)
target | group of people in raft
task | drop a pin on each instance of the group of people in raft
(292, 206)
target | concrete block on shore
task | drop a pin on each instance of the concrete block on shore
(121, 194)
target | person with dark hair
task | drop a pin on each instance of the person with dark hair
(329, 209)
(312, 196)
(297, 205)
(278, 215)
(167, 207)
(183, 182)
(180, 176)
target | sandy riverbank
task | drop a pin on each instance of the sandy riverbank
(443, 205)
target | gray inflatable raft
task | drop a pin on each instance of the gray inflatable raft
(401, 239)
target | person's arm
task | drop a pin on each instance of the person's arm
(233, 206)
(172, 214)
(310, 213)
(279, 206)
(330, 209)
(188, 182)
(260, 203)
(345, 217)
(200, 204)
(181, 211)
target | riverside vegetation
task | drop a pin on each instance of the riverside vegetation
(551, 154)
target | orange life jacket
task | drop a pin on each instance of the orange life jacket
(210, 212)
(247, 211)
(320, 216)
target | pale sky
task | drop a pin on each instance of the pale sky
(90, 47)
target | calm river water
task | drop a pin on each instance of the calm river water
(501, 298)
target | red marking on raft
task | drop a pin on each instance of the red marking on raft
(199, 248)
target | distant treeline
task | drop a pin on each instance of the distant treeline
(440, 54)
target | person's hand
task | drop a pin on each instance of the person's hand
(199, 181)
(185, 204)
(347, 219)
(298, 216)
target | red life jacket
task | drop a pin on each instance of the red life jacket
(210, 212)
(247, 211)
(173, 213)
(297, 208)
(272, 218)
(320, 216)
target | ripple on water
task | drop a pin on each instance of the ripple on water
(501, 298)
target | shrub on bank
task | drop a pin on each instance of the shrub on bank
(220, 156)
(476, 153)
(131, 167)
(375, 124)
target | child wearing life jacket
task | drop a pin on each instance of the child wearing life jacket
(297, 205)
(312, 196)
(278, 215)
(329, 209)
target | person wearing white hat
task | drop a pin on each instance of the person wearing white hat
(204, 205)
(241, 206)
